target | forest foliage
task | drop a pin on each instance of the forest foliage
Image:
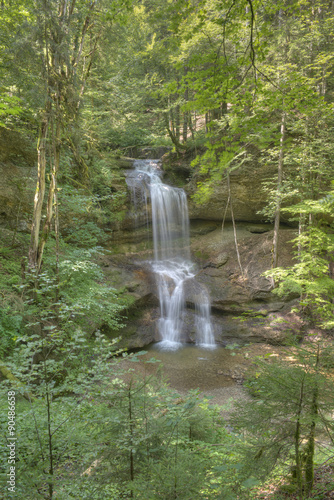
(224, 83)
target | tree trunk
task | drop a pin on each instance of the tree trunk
(177, 144)
(57, 237)
(50, 443)
(177, 123)
(132, 475)
(234, 226)
(59, 74)
(15, 381)
(52, 187)
(278, 197)
(299, 478)
(185, 119)
(191, 128)
(40, 192)
(309, 462)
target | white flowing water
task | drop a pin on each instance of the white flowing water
(172, 263)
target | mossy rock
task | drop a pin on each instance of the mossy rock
(202, 227)
(259, 228)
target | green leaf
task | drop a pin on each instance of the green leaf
(250, 482)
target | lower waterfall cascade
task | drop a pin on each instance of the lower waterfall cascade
(172, 265)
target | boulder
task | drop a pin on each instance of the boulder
(276, 328)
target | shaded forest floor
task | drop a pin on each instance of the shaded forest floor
(323, 488)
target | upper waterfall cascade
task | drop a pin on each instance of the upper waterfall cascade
(172, 264)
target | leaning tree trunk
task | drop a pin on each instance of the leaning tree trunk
(229, 201)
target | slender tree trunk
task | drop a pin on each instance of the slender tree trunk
(278, 196)
(299, 478)
(89, 67)
(185, 115)
(301, 224)
(50, 444)
(40, 192)
(52, 188)
(132, 475)
(309, 463)
(185, 127)
(191, 128)
(170, 125)
(57, 237)
(177, 123)
(175, 461)
(234, 226)
(177, 144)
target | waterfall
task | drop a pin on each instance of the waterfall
(172, 264)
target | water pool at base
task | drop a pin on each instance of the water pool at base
(217, 373)
(192, 367)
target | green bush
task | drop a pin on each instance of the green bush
(10, 326)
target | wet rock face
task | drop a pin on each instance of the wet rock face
(243, 306)
(140, 330)
(244, 309)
